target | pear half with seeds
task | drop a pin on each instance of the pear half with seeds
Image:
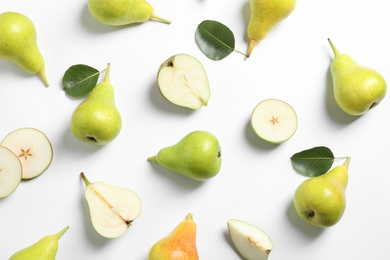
(10, 172)
(112, 209)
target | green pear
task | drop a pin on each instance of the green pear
(180, 244)
(320, 201)
(123, 12)
(44, 249)
(265, 15)
(97, 120)
(197, 156)
(356, 88)
(18, 43)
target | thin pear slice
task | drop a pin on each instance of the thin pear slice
(274, 120)
(10, 172)
(33, 149)
(112, 209)
(250, 241)
(183, 81)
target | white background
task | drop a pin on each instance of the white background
(256, 182)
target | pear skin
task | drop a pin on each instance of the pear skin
(179, 245)
(265, 14)
(321, 201)
(18, 43)
(44, 249)
(123, 12)
(357, 89)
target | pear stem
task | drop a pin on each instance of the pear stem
(156, 17)
(107, 76)
(86, 181)
(152, 159)
(42, 74)
(346, 163)
(335, 51)
(59, 234)
(252, 44)
(189, 217)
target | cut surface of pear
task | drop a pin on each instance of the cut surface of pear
(112, 209)
(10, 172)
(183, 81)
(250, 241)
(274, 120)
(33, 149)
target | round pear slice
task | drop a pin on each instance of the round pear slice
(250, 241)
(274, 120)
(183, 81)
(10, 172)
(33, 149)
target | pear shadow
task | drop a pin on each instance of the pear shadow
(255, 140)
(311, 232)
(163, 104)
(78, 148)
(9, 67)
(228, 239)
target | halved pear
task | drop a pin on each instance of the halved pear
(33, 149)
(183, 81)
(10, 172)
(112, 209)
(250, 241)
(274, 120)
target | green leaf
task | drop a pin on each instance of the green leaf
(79, 80)
(313, 162)
(214, 39)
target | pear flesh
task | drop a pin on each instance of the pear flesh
(197, 156)
(123, 12)
(10, 172)
(180, 244)
(357, 89)
(321, 201)
(97, 120)
(112, 209)
(265, 15)
(44, 249)
(250, 241)
(183, 81)
(18, 43)
(32, 147)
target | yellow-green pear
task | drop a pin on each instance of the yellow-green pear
(197, 156)
(265, 14)
(123, 12)
(357, 89)
(44, 249)
(178, 245)
(18, 43)
(321, 201)
(97, 120)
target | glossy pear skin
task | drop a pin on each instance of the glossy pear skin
(321, 201)
(179, 245)
(356, 88)
(197, 156)
(122, 12)
(97, 120)
(44, 249)
(18, 43)
(265, 14)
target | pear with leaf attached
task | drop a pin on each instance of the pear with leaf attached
(357, 88)
(123, 12)
(180, 244)
(18, 43)
(97, 120)
(321, 201)
(44, 249)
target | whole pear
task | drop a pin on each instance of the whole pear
(123, 12)
(356, 88)
(321, 201)
(197, 156)
(179, 245)
(97, 120)
(44, 249)
(18, 43)
(265, 14)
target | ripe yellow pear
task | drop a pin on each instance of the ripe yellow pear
(357, 89)
(265, 14)
(179, 245)
(18, 43)
(320, 201)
